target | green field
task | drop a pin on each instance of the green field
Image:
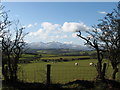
(61, 72)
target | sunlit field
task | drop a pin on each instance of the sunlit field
(61, 72)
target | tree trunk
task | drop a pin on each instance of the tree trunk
(115, 70)
(5, 72)
(104, 69)
(100, 75)
(16, 68)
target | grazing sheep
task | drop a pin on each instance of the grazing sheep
(76, 64)
(91, 64)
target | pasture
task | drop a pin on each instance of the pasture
(61, 72)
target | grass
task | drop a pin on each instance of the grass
(67, 71)
(49, 55)
(61, 72)
(27, 55)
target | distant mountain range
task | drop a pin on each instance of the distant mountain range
(56, 45)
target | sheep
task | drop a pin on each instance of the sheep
(92, 64)
(76, 64)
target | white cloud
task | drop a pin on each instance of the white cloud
(30, 25)
(58, 37)
(68, 42)
(49, 26)
(73, 27)
(47, 31)
(90, 36)
(64, 36)
(74, 35)
(38, 34)
(55, 32)
(102, 12)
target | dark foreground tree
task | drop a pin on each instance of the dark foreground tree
(12, 40)
(105, 37)
(110, 37)
(92, 41)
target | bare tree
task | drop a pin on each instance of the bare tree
(105, 37)
(93, 41)
(12, 46)
(4, 22)
(110, 37)
(11, 51)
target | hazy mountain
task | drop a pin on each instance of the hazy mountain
(55, 45)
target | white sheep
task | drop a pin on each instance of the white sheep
(76, 64)
(91, 64)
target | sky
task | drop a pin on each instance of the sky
(57, 21)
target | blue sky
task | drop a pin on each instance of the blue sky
(57, 21)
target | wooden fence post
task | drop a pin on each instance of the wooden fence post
(48, 73)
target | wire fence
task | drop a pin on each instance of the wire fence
(59, 73)
(32, 75)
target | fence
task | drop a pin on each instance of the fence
(60, 72)
(34, 74)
